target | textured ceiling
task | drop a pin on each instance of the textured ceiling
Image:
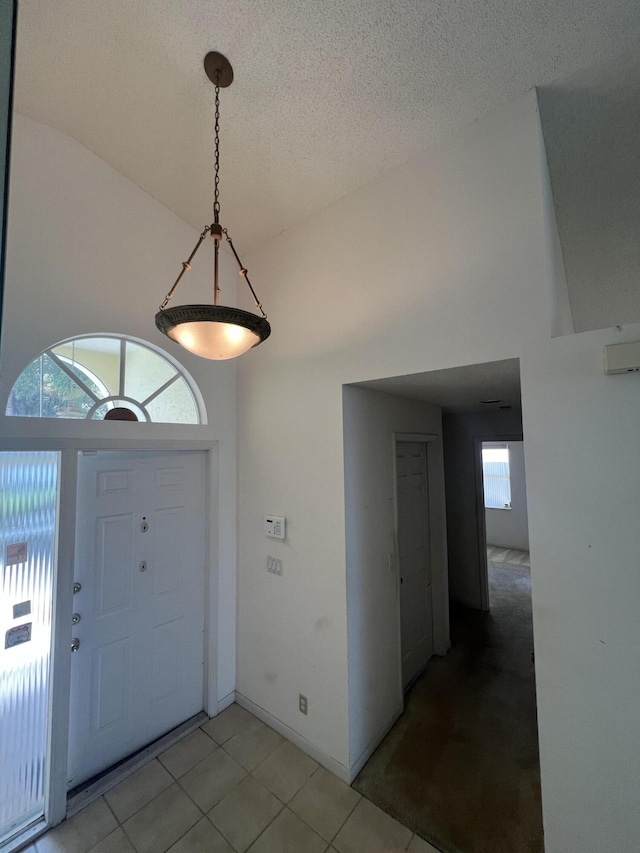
(327, 94)
(459, 389)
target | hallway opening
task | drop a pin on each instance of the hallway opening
(460, 766)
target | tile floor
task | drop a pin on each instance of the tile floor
(231, 786)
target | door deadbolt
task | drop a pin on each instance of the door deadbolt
(75, 644)
(77, 587)
(75, 618)
(143, 566)
(145, 525)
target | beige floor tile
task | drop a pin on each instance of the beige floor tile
(369, 829)
(138, 790)
(419, 845)
(187, 753)
(244, 813)
(325, 802)
(285, 771)
(81, 832)
(202, 838)
(232, 720)
(253, 744)
(212, 779)
(288, 834)
(117, 842)
(162, 822)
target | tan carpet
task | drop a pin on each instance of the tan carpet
(461, 766)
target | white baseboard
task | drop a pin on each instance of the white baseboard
(298, 740)
(229, 699)
(373, 744)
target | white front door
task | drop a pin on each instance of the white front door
(140, 554)
(414, 551)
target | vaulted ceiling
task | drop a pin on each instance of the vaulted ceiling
(327, 93)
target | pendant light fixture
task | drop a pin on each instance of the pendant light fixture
(214, 331)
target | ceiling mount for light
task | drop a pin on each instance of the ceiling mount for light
(214, 331)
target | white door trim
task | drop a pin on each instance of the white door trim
(56, 797)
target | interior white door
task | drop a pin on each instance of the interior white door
(140, 554)
(414, 552)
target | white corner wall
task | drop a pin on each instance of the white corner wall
(373, 631)
(90, 252)
(583, 483)
(509, 527)
(440, 263)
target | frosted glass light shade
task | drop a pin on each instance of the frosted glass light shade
(214, 340)
(213, 331)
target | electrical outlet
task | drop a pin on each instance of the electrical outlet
(303, 704)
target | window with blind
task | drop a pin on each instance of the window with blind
(496, 475)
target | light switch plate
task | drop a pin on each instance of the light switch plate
(275, 526)
(274, 565)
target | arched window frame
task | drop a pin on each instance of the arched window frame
(110, 400)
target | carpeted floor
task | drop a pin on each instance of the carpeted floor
(461, 765)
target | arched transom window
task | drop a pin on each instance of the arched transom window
(86, 377)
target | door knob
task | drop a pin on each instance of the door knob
(75, 644)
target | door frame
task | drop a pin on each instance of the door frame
(60, 677)
(481, 524)
(429, 440)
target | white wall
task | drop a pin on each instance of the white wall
(437, 264)
(440, 263)
(375, 679)
(591, 125)
(583, 476)
(7, 15)
(509, 527)
(88, 252)
(465, 515)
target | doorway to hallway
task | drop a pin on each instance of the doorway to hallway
(460, 766)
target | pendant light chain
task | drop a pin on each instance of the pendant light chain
(214, 331)
(216, 182)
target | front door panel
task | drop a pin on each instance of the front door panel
(138, 671)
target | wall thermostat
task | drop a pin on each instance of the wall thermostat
(274, 525)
